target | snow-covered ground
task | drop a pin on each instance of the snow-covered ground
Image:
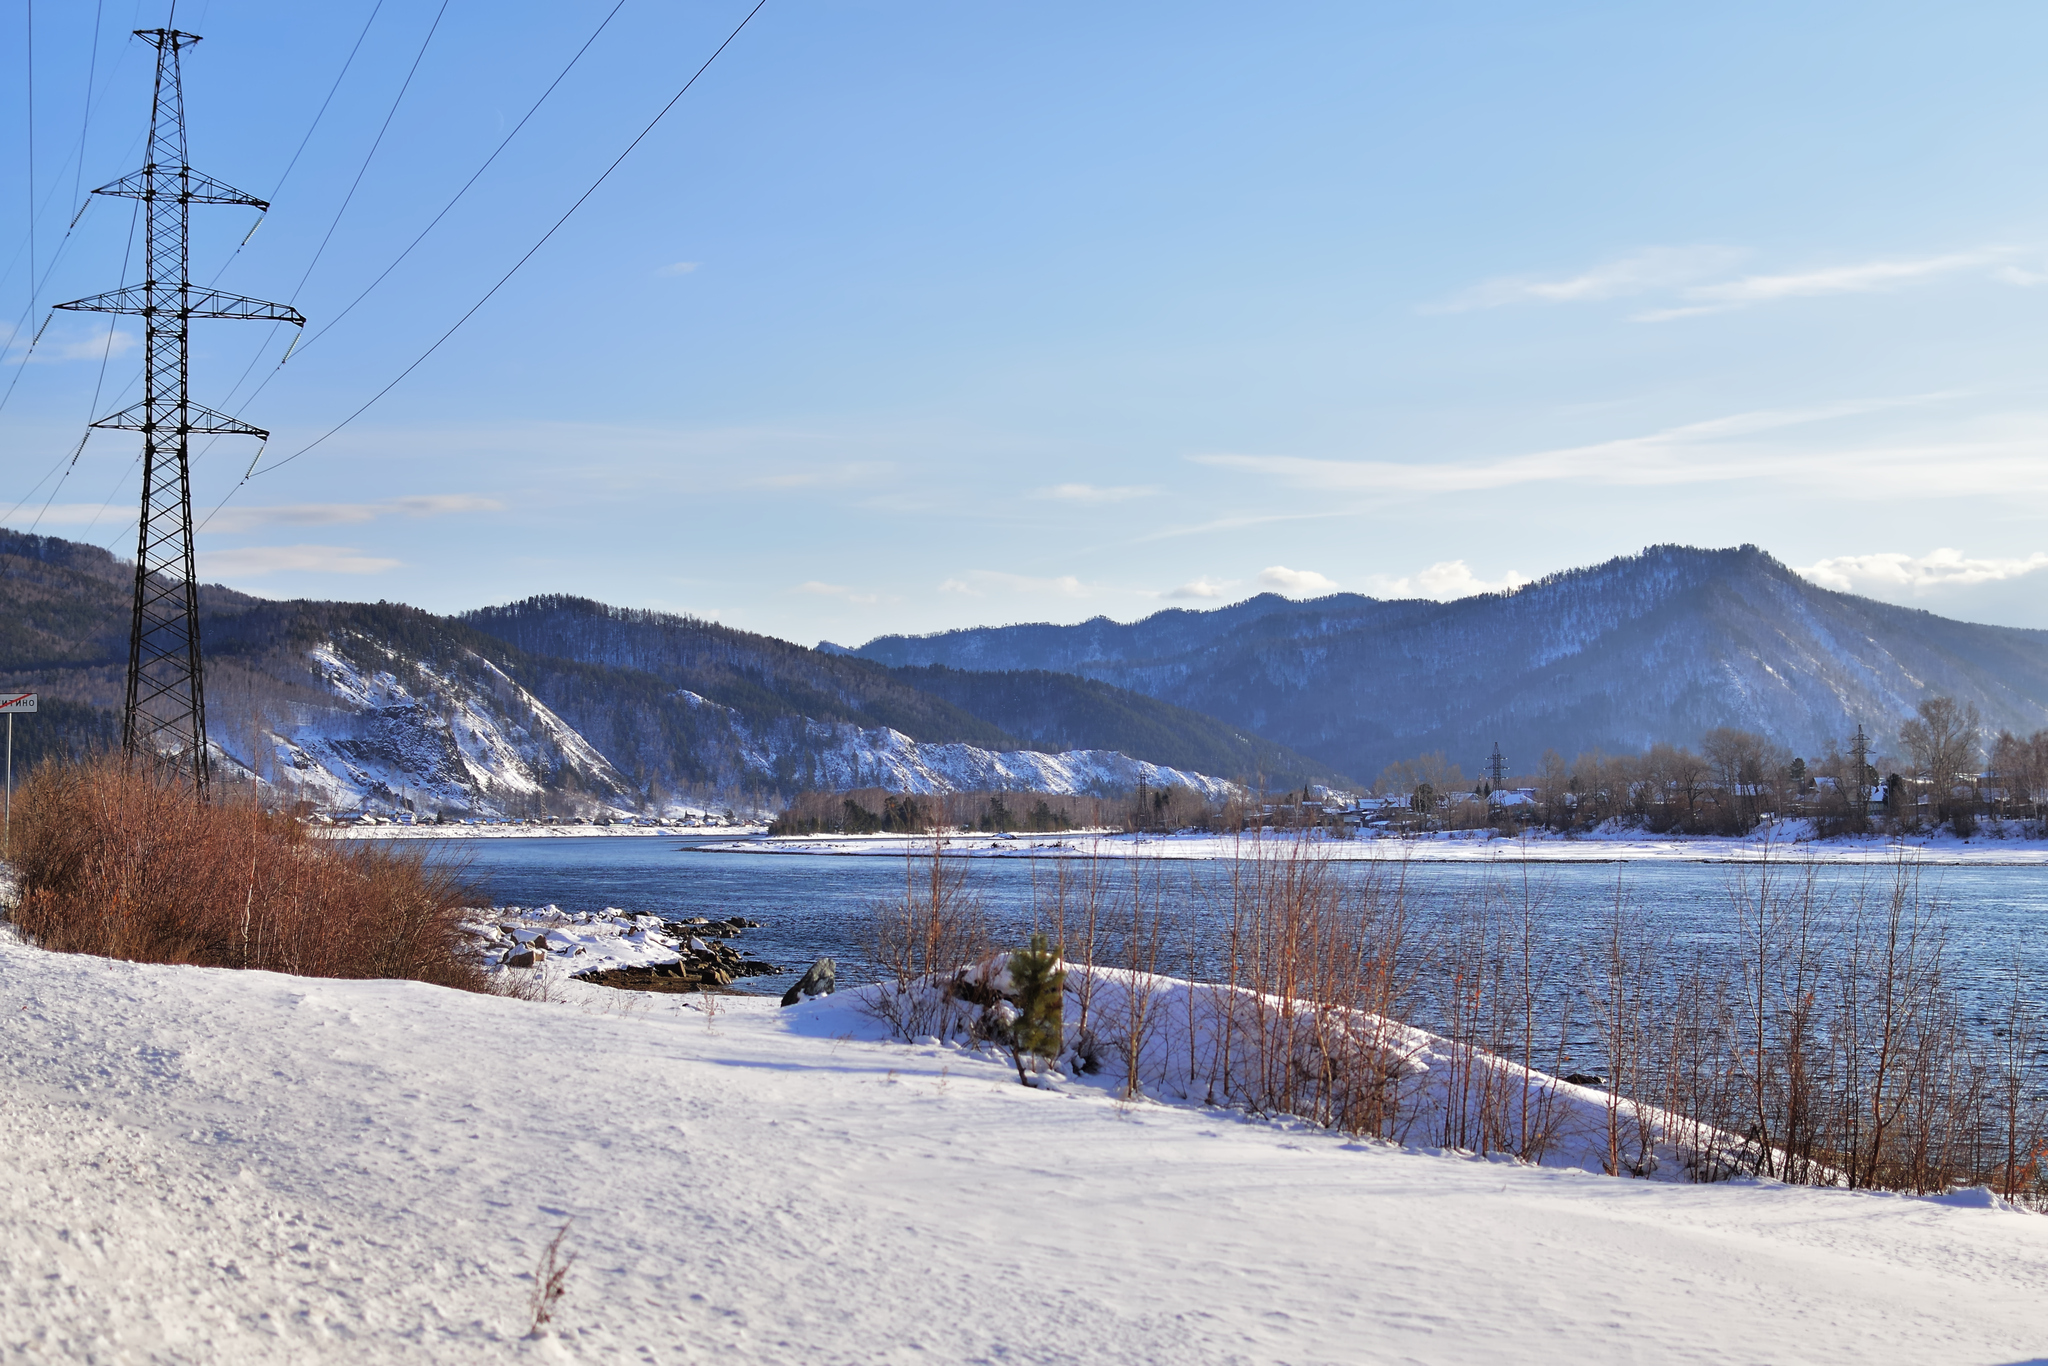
(842, 755)
(1465, 846)
(523, 832)
(222, 1167)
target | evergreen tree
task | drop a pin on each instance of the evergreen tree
(1038, 980)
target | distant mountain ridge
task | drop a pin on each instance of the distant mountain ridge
(560, 700)
(1659, 646)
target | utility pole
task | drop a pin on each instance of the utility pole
(165, 719)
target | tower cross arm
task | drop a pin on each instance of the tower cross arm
(194, 187)
(136, 418)
(211, 303)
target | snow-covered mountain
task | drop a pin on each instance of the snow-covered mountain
(841, 756)
(1659, 646)
(353, 706)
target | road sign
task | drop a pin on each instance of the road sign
(19, 701)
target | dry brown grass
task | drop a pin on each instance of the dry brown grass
(123, 862)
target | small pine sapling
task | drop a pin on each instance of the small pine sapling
(1038, 981)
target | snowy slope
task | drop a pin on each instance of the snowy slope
(218, 1167)
(841, 755)
(406, 731)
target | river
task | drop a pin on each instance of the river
(818, 906)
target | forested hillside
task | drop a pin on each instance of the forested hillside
(1656, 647)
(559, 704)
(1060, 711)
(769, 679)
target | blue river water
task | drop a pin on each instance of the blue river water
(819, 906)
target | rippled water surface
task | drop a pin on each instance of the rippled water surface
(813, 906)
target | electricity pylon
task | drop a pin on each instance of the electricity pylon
(1497, 767)
(166, 712)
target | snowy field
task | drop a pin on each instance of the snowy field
(1462, 846)
(222, 1167)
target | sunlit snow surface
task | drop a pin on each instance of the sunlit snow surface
(220, 1167)
(441, 741)
(1789, 841)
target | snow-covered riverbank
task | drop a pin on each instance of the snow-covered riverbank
(222, 1167)
(1473, 846)
(531, 832)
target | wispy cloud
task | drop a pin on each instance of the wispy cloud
(1862, 278)
(1685, 275)
(1444, 580)
(1718, 450)
(825, 476)
(1639, 272)
(1092, 493)
(253, 561)
(981, 583)
(1943, 568)
(1204, 589)
(679, 268)
(836, 590)
(108, 340)
(1296, 583)
(239, 519)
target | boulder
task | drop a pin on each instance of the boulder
(817, 981)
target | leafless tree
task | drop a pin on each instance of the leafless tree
(1943, 742)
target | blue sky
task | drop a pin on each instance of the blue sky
(912, 316)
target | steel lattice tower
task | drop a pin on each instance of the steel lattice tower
(166, 711)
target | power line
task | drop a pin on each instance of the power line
(346, 199)
(471, 181)
(606, 175)
(371, 154)
(92, 409)
(311, 128)
(85, 125)
(29, 58)
(301, 345)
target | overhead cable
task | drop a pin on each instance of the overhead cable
(384, 128)
(502, 280)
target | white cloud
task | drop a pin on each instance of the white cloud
(250, 561)
(1639, 272)
(1204, 588)
(1741, 446)
(236, 519)
(679, 268)
(92, 348)
(1864, 278)
(1294, 582)
(1943, 568)
(826, 476)
(1682, 273)
(980, 583)
(1443, 581)
(1091, 493)
(835, 590)
(103, 340)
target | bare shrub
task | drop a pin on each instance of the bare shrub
(1304, 1016)
(129, 863)
(925, 942)
(550, 1282)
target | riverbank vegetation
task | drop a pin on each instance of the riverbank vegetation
(1943, 770)
(121, 860)
(1816, 1037)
